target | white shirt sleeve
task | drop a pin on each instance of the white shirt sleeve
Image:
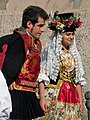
(5, 99)
(43, 77)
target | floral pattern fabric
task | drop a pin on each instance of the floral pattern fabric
(59, 110)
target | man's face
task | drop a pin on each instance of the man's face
(37, 29)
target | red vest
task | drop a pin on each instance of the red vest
(31, 67)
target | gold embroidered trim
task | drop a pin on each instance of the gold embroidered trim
(25, 88)
(56, 86)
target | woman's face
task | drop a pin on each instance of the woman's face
(67, 39)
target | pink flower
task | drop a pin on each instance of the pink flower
(76, 21)
(80, 24)
(69, 22)
(56, 21)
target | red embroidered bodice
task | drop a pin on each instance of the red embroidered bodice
(31, 67)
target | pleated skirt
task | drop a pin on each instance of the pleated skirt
(25, 105)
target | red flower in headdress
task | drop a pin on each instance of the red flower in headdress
(76, 22)
(69, 22)
(56, 21)
(80, 24)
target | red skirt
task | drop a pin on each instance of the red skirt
(68, 93)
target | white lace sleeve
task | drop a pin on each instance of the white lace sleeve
(80, 71)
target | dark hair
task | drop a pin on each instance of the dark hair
(32, 13)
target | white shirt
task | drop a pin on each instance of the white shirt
(5, 99)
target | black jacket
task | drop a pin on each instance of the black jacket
(15, 56)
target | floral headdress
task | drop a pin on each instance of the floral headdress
(64, 22)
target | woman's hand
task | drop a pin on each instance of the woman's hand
(79, 91)
(43, 105)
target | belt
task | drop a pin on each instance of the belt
(59, 83)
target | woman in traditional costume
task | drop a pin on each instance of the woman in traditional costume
(61, 61)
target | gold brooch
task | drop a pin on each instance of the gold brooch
(68, 87)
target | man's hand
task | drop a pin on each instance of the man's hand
(12, 86)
